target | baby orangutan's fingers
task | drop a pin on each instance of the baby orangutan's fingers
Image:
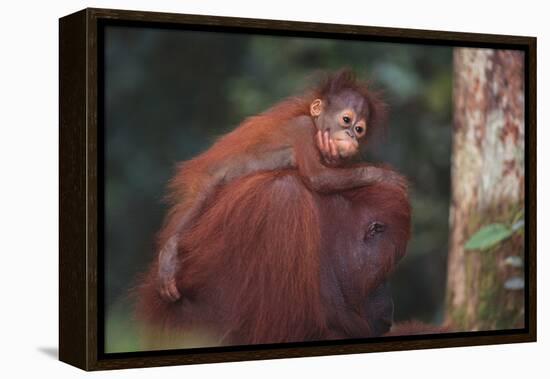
(323, 147)
(333, 150)
(326, 141)
(169, 291)
(327, 148)
(320, 145)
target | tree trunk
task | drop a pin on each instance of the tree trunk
(485, 286)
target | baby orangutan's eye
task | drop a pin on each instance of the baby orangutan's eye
(346, 119)
(359, 129)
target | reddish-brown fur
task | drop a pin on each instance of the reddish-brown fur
(312, 134)
(254, 132)
(270, 261)
(261, 133)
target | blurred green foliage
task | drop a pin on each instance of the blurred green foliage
(170, 93)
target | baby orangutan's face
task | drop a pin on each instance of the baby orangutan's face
(344, 118)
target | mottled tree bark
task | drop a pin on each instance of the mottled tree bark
(488, 186)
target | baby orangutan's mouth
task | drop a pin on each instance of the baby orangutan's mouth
(346, 147)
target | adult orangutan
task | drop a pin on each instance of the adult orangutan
(313, 133)
(270, 260)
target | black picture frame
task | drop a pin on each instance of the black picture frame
(81, 189)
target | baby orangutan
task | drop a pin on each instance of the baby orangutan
(313, 133)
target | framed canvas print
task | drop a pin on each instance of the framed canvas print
(238, 189)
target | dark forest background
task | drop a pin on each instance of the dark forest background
(170, 93)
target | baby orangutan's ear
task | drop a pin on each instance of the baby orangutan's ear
(316, 107)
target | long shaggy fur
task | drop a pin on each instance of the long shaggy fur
(252, 266)
(257, 133)
(253, 269)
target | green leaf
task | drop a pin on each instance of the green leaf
(488, 236)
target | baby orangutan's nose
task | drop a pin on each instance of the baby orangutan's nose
(349, 133)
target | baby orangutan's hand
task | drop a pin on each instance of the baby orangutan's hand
(327, 148)
(168, 266)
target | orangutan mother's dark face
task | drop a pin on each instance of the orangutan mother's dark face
(364, 236)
